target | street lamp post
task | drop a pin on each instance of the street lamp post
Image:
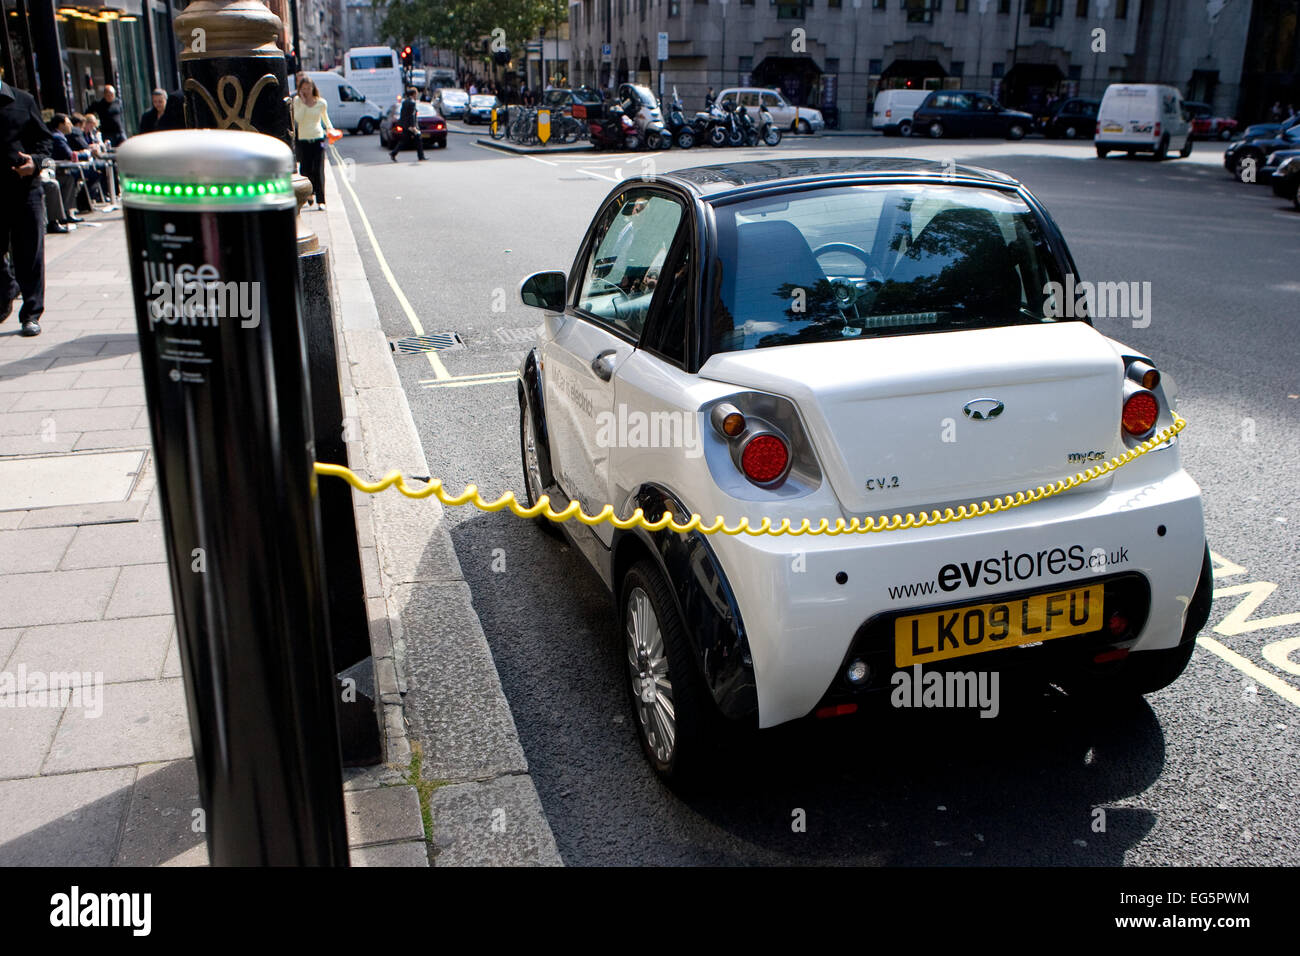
(723, 72)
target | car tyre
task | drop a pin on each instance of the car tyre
(936, 130)
(679, 739)
(366, 126)
(1071, 132)
(1102, 152)
(1187, 149)
(1225, 134)
(805, 128)
(1015, 131)
(532, 470)
(1295, 195)
(905, 128)
(1162, 151)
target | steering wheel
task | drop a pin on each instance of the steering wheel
(617, 289)
(848, 292)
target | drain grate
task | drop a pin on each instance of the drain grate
(434, 342)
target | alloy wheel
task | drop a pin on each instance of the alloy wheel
(652, 690)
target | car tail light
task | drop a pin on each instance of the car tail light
(1097, 131)
(1144, 374)
(1157, 130)
(728, 420)
(764, 458)
(398, 128)
(1140, 413)
(888, 113)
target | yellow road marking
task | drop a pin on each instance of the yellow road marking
(439, 370)
(1272, 682)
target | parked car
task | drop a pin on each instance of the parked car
(968, 113)
(808, 120)
(433, 129)
(1273, 163)
(1142, 118)
(1075, 118)
(563, 101)
(1245, 158)
(1205, 125)
(892, 111)
(480, 108)
(451, 102)
(677, 312)
(1286, 181)
(1268, 130)
(348, 108)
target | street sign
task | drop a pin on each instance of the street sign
(544, 125)
(606, 51)
(663, 47)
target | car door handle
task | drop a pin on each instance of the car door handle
(603, 365)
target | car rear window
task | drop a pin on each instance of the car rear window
(849, 262)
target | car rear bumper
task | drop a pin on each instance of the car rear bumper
(1129, 145)
(801, 621)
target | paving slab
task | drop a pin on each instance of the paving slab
(142, 722)
(495, 823)
(64, 820)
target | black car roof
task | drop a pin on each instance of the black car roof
(712, 182)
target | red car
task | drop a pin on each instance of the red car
(1205, 125)
(433, 128)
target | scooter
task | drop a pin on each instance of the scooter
(652, 132)
(682, 132)
(614, 130)
(711, 126)
(747, 127)
(731, 122)
(768, 131)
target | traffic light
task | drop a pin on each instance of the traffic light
(407, 59)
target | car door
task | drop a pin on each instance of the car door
(612, 294)
(986, 117)
(782, 112)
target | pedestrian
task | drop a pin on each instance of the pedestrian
(409, 120)
(1275, 114)
(109, 110)
(27, 144)
(165, 114)
(311, 125)
(709, 99)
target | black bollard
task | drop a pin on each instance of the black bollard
(211, 241)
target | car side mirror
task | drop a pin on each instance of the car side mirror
(544, 290)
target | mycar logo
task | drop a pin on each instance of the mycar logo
(1009, 568)
(197, 297)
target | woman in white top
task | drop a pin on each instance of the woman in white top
(311, 124)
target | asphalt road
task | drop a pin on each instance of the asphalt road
(1205, 772)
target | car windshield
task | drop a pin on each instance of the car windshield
(586, 96)
(454, 96)
(847, 262)
(481, 100)
(424, 109)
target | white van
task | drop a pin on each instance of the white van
(1143, 118)
(893, 109)
(376, 71)
(348, 109)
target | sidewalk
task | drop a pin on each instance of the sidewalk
(105, 776)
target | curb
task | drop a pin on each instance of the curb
(505, 147)
(482, 800)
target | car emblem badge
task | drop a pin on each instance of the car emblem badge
(982, 409)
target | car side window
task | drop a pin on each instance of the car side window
(623, 266)
(771, 101)
(348, 95)
(667, 333)
(962, 101)
(986, 104)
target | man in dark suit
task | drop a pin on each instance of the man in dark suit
(167, 113)
(409, 119)
(26, 143)
(111, 120)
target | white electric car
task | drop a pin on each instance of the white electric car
(840, 338)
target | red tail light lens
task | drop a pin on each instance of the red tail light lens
(765, 459)
(1140, 413)
(398, 128)
(1157, 130)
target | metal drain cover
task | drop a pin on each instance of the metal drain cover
(434, 342)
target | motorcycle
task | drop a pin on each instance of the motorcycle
(747, 127)
(735, 132)
(613, 130)
(681, 132)
(711, 126)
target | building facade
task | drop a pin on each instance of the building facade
(837, 54)
(321, 29)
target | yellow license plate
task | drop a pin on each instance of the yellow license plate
(1112, 129)
(957, 632)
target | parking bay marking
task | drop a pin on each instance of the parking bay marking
(439, 370)
(1237, 622)
(461, 381)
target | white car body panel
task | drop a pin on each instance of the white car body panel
(345, 113)
(798, 620)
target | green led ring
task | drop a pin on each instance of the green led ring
(209, 192)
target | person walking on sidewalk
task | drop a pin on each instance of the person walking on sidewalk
(311, 126)
(409, 120)
(27, 144)
(109, 111)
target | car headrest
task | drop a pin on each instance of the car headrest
(772, 259)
